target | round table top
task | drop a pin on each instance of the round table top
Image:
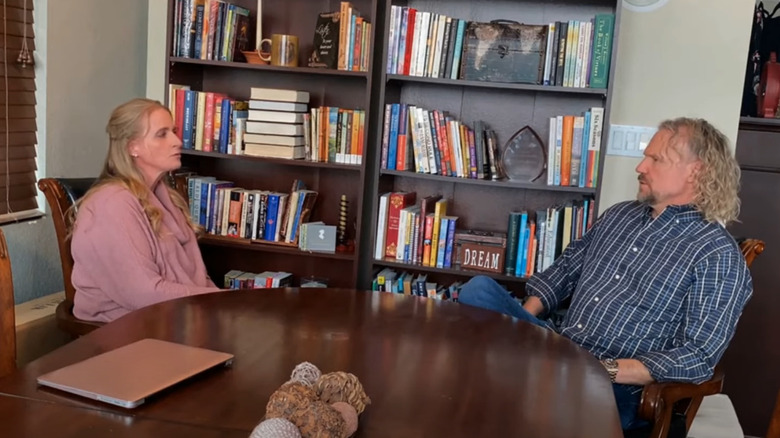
(431, 368)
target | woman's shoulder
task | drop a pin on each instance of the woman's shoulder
(111, 197)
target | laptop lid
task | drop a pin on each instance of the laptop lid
(127, 375)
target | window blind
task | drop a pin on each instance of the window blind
(18, 130)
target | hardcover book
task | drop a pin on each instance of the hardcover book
(326, 41)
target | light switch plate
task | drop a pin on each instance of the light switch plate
(629, 141)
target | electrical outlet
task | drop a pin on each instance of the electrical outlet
(629, 141)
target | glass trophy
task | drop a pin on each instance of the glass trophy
(523, 158)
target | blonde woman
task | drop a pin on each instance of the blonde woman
(133, 244)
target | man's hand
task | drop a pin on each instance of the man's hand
(533, 305)
(632, 372)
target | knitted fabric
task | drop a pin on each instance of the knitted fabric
(275, 428)
(305, 373)
(342, 387)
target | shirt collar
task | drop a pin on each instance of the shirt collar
(680, 213)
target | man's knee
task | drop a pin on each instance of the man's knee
(478, 286)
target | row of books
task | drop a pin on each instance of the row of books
(354, 39)
(225, 210)
(431, 141)
(209, 29)
(425, 43)
(236, 279)
(207, 121)
(578, 53)
(534, 239)
(335, 135)
(573, 149)
(275, 124)
(406, 283)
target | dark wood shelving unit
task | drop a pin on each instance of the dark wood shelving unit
(506, 107)
(246, 244)
(278, 161)
(327, 87)
(489, 183)
(449, 271)
(269, 68)
(496, 85)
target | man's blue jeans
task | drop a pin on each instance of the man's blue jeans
(484, 292)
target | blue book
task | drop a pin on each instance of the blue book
(458, 49)
(521, 245)
(450, 242)
(270, 217)
(190, 100)
(226, 123)
(198, 31)
(392, 150)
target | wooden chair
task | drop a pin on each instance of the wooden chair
(7, 318)
(663, 404)
(61, 194)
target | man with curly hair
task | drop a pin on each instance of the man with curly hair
(657, 284)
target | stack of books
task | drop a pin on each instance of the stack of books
(275, 123)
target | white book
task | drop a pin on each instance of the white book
(277, 94)
(439, 43)
(548, 53)
(551, 153)
(273, 128)
(279, 140)
(271, 105)
(403, 223)
(275, 116)
(415, 44)
(381, 227)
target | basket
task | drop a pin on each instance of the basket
(253, 56)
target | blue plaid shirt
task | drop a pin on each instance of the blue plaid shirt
(667, 291)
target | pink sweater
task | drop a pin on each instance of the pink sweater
(120, 264)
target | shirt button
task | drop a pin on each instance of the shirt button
(579, 326)
(677, 221)
(635, 249)
(617, 277)
(596, 299)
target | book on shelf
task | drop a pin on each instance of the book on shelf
(573, 53)
(207, 121)
(259, 215)
(426, 235)
(237, 279)
(407, 283)
(573, 148)
(279, 95)
(336, 135)
(354, 39)
(433, 142)
(210, 30)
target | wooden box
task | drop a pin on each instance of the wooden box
(504, 51)
(480, 251)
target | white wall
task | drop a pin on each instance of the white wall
(90, 57)
(687, 58)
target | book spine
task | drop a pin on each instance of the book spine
(602, 50)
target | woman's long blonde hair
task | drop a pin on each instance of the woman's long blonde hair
(717, 185)
(128, 122)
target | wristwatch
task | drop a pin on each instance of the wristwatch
(611, 365)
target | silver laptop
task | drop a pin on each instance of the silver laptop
(127, 375)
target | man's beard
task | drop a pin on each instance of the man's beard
(647, 198)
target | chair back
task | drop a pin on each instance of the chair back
(61, 194)
(751, 248)
(7, 319)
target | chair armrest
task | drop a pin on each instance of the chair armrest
(658, 400)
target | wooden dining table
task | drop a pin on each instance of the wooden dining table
(431, 368)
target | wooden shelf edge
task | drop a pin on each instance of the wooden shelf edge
(450, 271)
(497, 85)
(279, 248)
(491, 183)
(266, 67)
(282, 161)
(759, 121)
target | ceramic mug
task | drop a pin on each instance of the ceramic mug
(284, 50)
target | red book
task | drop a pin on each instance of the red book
(409, 40)
(180, 93)
(208, 124)
(398, 201)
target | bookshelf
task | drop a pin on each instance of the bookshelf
(336, 88)
(479, 204)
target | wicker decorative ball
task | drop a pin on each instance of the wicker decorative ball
(298, 403)
(342, 387)
(350, 417)
(276, 428)
(306, 373)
